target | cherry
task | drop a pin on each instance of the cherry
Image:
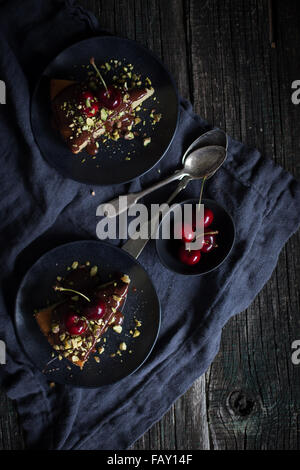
(189, 257)
(95, 310)
(110, 98)
(188, 233)
(185, 232)
(208, 243)
(75, 325)
(90, 103)
(208, 217)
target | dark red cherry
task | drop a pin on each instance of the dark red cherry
(209, 242)
(208, 217)
(89, 103)
(189, 257)
(95, 310)
(110, 98)
(184, 232)
(75, 325)
(188, 233)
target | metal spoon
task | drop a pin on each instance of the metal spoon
(200, 163)
(135, 246)
(213, 137)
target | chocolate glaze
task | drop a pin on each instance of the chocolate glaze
(92, 148)
(65, 110)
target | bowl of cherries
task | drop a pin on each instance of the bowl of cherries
(218, 234)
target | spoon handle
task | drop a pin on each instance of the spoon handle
(133, 198)
(135, 246)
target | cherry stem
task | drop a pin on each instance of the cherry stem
(201, 192)
(92, 62)
(64, 289)
(208, 233)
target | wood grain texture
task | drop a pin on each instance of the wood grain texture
(220, 56)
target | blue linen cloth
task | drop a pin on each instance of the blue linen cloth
(41, 209)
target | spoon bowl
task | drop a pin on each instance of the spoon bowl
(204, 161)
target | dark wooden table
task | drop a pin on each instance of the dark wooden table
(220, 55)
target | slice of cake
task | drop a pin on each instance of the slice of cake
(81, 119)
(74, 326)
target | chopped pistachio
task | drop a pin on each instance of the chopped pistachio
(117, 329)
(67, 344)
(123, 346)
(125, 278)
(129, 136)
(93, 271)
(55, 328)
(136, 333)
(147, 141)
(103, 114)
(90, 121)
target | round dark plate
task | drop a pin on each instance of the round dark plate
(142, 303)
(167, 249)
(110, 166)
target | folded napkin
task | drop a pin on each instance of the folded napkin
(41, 209)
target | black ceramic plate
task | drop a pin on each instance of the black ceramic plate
(110, 166)
(142, 303)
(167, 249)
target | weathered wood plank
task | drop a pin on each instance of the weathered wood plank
(253, 392)
(11, 436)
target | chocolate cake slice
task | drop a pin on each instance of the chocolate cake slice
(73, 327)
(79, 130)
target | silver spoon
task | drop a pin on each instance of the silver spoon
(135, 246)
(213, 137)
(199, 163)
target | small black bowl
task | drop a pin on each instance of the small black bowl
(167, 250)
